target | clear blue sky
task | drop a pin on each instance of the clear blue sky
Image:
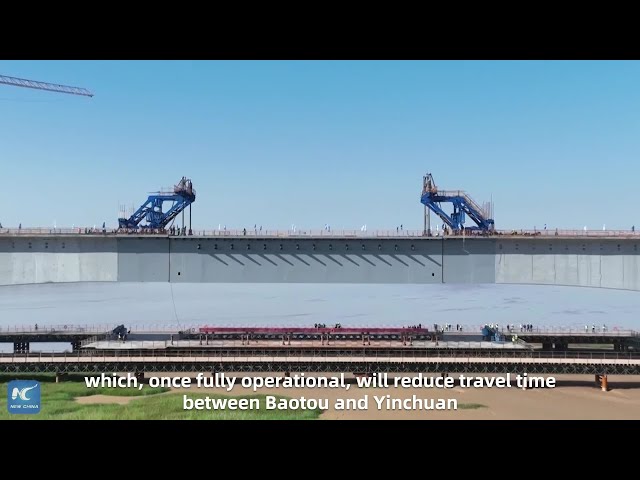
(345, 143)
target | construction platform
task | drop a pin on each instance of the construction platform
(318, 338)
(304, 345)
(549, 339)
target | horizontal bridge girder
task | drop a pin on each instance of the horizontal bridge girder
(321, 365)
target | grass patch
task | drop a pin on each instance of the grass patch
(470, 406)
(74, 386)
(58, 402)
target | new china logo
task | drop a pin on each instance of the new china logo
(23, 396)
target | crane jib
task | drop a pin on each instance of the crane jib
(51, 87)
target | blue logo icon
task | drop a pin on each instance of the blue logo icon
(23, 396)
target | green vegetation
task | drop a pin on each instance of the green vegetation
(470, 406)
(58, 402)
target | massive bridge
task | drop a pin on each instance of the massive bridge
(605, 260)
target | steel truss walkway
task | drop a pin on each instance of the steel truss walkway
(622, 364)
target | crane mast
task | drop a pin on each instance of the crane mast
(50, 87)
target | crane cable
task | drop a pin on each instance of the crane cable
(175, 311)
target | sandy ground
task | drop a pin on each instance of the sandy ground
(574, 397)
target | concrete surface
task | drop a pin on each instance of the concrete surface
(594, 262)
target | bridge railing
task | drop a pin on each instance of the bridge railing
(192, 327)
(607, 331)
(569, 233)
(57, 328)
(132, 344)
(292, 354)
(517, 329)
(329, 233)
(71, 328)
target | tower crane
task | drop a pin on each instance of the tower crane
(51, 87)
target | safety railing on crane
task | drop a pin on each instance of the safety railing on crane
(461, 193)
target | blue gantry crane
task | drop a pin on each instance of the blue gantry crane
(463, 205)
(183, 196)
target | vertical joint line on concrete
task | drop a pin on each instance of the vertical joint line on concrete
(442, 260)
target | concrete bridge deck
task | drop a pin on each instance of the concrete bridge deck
(466, 350)
(188, 329)
(627, 338)
(609, 260)
(169, 337)
(294, 344)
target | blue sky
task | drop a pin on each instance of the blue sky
(315, 142)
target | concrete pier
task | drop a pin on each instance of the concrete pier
(602, 382)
